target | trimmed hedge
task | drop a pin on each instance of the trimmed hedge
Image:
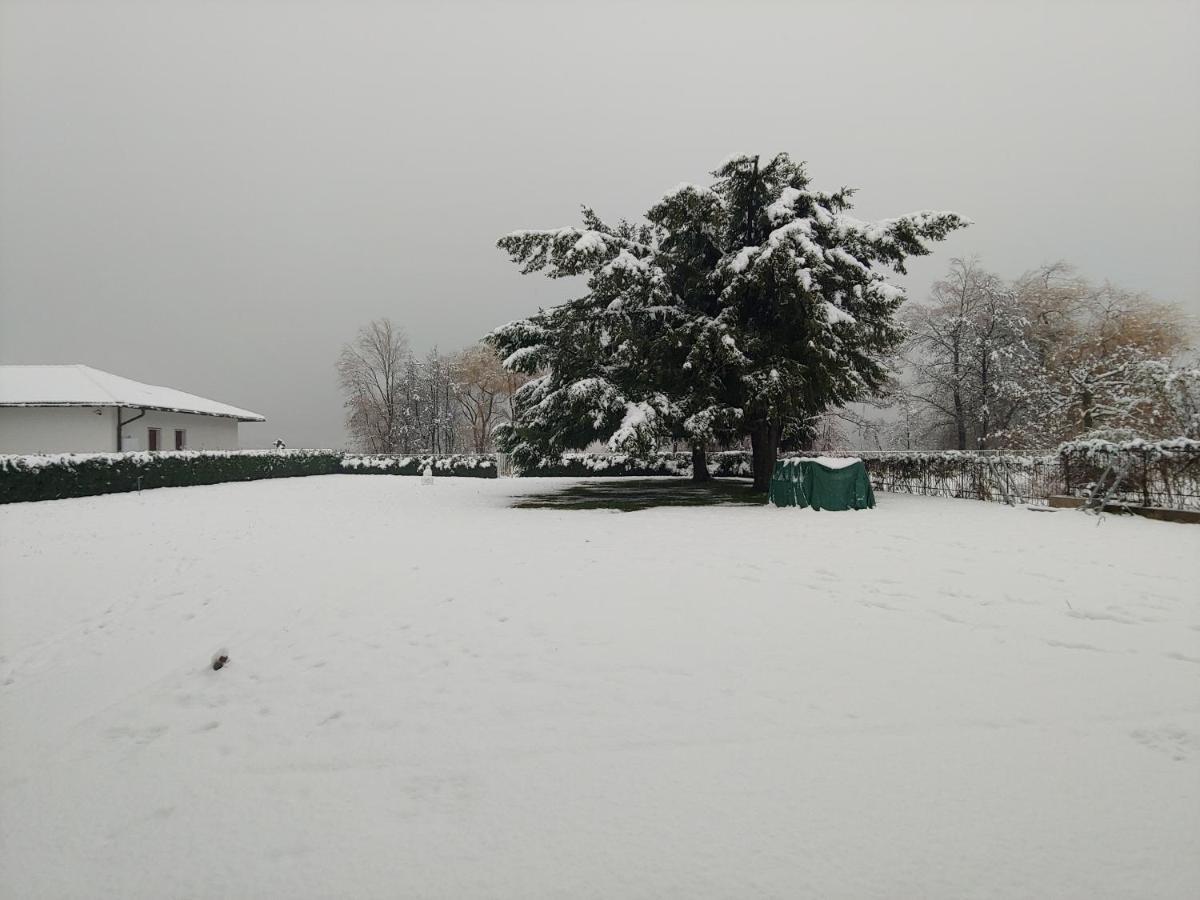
(460, 466)
(87, 474)
(58, 476)
(734, 463)
(728, 464)
(1103, 451)
(1140, 473)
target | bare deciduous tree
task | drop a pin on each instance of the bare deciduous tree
(371, 372)
(964, 356)
(1045, 359)
(482, 383)
(1096, 350)
(432, 403)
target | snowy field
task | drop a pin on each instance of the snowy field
(431, 694)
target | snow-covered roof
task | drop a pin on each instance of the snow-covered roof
(84, 386)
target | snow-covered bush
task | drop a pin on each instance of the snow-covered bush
(1147, 473)
(1109, 435)
(55, 476)
(462, 466)
(1100, 450)
(583, 465)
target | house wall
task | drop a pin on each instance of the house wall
(57, 429)
(74, 429)
(203, 432)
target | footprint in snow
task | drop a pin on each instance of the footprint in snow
(1183, 657)
(1070, 646)
(1092, 615)
(1174, 742)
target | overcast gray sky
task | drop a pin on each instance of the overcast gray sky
(216, 195)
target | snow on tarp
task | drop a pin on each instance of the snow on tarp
(76, 385)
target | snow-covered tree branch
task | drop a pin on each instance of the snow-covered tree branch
(746, 308)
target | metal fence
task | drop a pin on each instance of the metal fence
(1007, 477)
(1165, 475)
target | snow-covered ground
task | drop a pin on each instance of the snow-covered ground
(431, 694)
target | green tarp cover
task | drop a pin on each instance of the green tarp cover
(810, 482)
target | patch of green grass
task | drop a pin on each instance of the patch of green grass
(633, 494)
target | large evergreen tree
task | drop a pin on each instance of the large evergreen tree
(745, 308)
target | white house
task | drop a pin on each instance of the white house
(78, 409)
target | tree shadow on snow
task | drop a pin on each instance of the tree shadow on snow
(633, 494)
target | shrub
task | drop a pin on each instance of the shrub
(588, 465)
(57, 476)
(1162, 473)
(461, 466)
(54, 477)
(1102, 450)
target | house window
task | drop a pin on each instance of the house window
(180, 439)
(152, 441)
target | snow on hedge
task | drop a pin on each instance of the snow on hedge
(397, 464)
(727, 464)
(1006, 458)
(36, 461)
(1173, 448)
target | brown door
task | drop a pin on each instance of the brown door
(180, 439)
(151, 438)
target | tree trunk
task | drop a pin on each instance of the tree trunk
(960, 420)
(985, 415)
(960, 414)
(700, 471)
(764, 451)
